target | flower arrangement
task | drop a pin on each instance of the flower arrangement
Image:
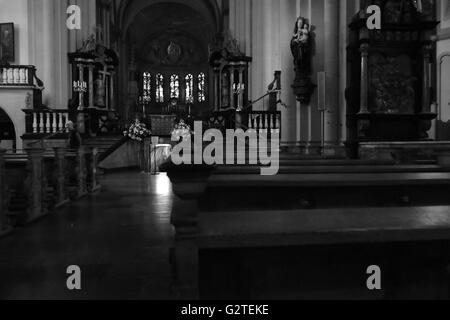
(180, 131)
(137, 131)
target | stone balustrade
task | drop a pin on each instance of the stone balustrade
(264, 121)
(46, 121)
(44, 181)
(17, 75)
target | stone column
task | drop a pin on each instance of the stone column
(3, 220)
(232, 95)
(61, 192)
(81, 94)
(216, 83)
(36, 188)
(80, 117)
(426, 83)
(242, 91)
(91, 86)
(331, 17)
(364, 102)
(112, 94)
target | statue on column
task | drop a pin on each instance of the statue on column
(301, 45)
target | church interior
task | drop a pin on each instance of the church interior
(92, 93)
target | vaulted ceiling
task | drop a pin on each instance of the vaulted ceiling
(146, 23)
(141, 18)
(169, 17)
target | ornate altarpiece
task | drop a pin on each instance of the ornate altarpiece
(390, 80)
(231, 74)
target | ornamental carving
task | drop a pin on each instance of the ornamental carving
(393, 84)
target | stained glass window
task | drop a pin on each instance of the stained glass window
(147, 86)
(189, 80)
(201, 87)
(174, 86)
(159, 88)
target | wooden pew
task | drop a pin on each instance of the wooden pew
(206, 196)
(324, 254)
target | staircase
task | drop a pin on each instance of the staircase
(105, 145)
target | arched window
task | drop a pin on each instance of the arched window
(159, 88)
(174, 86)
(201, 87)
(189, 81)
(148, 86)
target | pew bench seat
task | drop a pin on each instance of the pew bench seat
(260, 229)
(338, 179)
(357, 168)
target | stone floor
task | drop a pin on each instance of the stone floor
(120, 239)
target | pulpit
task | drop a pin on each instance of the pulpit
(391, 94)
(93, 95)
(96, 68)
(231, 74)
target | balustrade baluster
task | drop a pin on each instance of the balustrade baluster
(48, 125)
(26, 77)
(55, 123)
(41, 123)
(60, 123)
(22, 73)
(10, 78)
(16, 76)
(35, 123)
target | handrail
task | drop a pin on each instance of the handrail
(113, 148)
(41, 140)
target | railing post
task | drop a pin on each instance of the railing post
(189, 184)
(36, 184)
(81, 172)
(148, 155)
(93, 163)
(4, 225)
(61, 185)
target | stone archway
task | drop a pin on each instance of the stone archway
(141, 21)
(7, 131)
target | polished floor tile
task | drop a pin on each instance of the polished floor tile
(119, 237)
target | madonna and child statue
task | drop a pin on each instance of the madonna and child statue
(301, 48)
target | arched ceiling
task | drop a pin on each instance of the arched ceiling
(145, 16)
(169, 18)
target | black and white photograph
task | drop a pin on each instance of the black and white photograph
(223, 151)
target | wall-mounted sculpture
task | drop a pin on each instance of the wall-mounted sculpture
(301, 47)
